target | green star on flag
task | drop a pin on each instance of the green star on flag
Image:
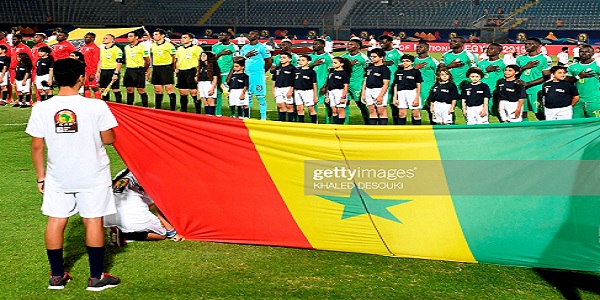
(353, 206)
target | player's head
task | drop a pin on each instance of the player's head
(62, 36)
(303, 60)
(443, 75)
(77, 55)
(474, 74)
(108, 39)
(422, 47)
(3, 49)
(133, 37)
(17, 39)
(564, 49)
(89, 37)
(39, 37)
(253, 35)
(187, 38)
(44, 51)
(24, 59)
(586, 52)
(318, 45)
(457, 42)
(159, 34)
(511, 71)
(239, 63)
(224, 36)
(494, 49)
(385, 41)
(376, 55)
(286, 46)
(559, 72)
(532, 44)
(69, 72)
(354, 44)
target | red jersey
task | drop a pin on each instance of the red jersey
(34, 51)
(8, 46)
(62, 50)
(20, 48)
(91, 54)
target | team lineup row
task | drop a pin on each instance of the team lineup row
(305, 80)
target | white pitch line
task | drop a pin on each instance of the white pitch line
(16, 124)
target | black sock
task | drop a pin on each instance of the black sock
(43, 97)
(396, 120)
(172, 101)
(198, 105)
(294, 116)
(50, 96)
(183, 100)
(240, 111)
(5, 95)
(28, 98)
(144, 98)
(246, 112)
(130, 98)
(417, 122)
(282, 116)
(96, 259)
(540, 116)
(290, 116)
(158, 98)
(211, 110)
(301, 118)
(313, 119)
(55, 257)
(431, 122)
(20, 97)
(401, 121)
(341, 120)
(383, 121)
(118, 97)
(364, 111)
(336, 119)
(232, 110)
(373, 121)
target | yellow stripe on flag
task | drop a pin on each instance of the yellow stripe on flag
(79, 33)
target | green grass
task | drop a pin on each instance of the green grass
(202, 270)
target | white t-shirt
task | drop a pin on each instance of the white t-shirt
(242, 40)
(576, 52)
(71, 126)
(596, 57)
(509, 59)
(562, 58)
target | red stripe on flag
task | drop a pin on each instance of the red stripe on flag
(178, 158)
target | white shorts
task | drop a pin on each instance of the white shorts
(372, 94)
(440, 113)
(304, 97)
(406, 99)
(93, 203)
(473, 116)
(134, 215)
(562, 113)
(335, 98)
(281, 95)
(23, 88)
(38, 82)
(506, 110)
(203, 89)
(5, 81)
(234, 98)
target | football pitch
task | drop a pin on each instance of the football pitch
(204, 270)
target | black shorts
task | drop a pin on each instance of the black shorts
(134, 77)
(163, 75)
(106, 77)
(186, 79)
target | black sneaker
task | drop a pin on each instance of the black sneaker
(17, 104)
(116, 237)
(106, 281)
(25, 105)
(59, 282)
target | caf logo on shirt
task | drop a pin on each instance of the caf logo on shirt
(259, 88)
(65, 121)
(120, 185)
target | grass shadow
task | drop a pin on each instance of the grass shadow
(568, 283)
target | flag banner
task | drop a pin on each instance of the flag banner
(510, 194)
(76, 36)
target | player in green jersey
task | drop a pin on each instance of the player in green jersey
(224, 50)
(392, 60)
(427, 65)
(358, 60)
(285, 46)
(458, 61)
(534, 71)
(321, 62)
(493, 70)
(584, 74)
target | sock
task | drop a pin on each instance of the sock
(130, 98)
(106, 97)
(395, 117)
(313, 119)
(28, 99)
(336, 119)
(144, 98)
(364, 111)
(282, 116)
(347, 109)
(211, 110)
(290, 116)
(183, 100)
(262, 107)
(118, 97)
(55, 257)
(43, 97)
(329, 115)
(341, 120)
(383, 121)
(232, 110)
(158, 98)
(373, 121)
(417, 122)
(96, 259)
(198, 105)
(50, 96)
(172, 101)
(396, 120)
(5, 95)
(247, 112)
(401, 121)
(20, 97)
(97, 95)
(301, 118)
(430, 114)
(240, 111)
(87, 93)
(540, 116)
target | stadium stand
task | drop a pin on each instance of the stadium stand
(581, 14)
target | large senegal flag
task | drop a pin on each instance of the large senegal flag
(517, 194)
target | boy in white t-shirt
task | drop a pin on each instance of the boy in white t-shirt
(77, 177)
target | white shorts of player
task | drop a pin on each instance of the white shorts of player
(304, 97)
(335, 98)
(406, 99)
(372, 94)
(507, 109)
(133, 215)
(5, 79)
(234, 97)
(38, 82)
(281, 95)
(474, 117)
(440, 113)
(92, 203)
(23, 88)
(203, 89)
(562, 113)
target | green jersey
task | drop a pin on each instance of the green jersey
(293, 63)
(589, 88)
(225, 62)
(491, 78)
(394, 56)
(459, 74)
(322, 70)
(357, 77)
(428, 74)
(534, 73)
